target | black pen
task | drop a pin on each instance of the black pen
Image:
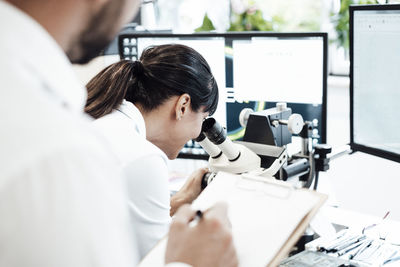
(199, 214)
(197, 218)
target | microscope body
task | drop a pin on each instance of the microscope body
(261, 129)
(263, 151)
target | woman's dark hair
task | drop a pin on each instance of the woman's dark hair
(162, 72)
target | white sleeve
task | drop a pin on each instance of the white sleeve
(65, 209)
(149, 200)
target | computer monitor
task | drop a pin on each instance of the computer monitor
(375, 80)
(265, 68)
(255, 70)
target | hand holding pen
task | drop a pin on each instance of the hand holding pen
(205, 243)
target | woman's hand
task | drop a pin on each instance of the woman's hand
(189, 191)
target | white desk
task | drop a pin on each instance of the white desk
(357, 221)
(364, 183)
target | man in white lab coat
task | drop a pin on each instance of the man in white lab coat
(62, 201)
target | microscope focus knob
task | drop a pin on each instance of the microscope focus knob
(244, 116)
(295, 123)
(322, 150)
(320, 156)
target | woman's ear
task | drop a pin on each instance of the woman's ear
(182, 106)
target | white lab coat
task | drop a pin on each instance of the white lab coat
(145, 166)
(62, 201)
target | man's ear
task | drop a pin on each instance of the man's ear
(182, 106)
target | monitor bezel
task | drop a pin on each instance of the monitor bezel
(250, 34)
(354, 145)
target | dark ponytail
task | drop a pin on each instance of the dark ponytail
(162, 72)
(108, 88)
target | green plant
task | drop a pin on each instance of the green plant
(207, 25)
(341, 21)
(250, 20)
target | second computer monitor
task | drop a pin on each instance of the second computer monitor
(375, 80)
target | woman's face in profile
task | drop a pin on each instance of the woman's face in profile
(186, 129)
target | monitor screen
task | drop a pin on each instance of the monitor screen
(267, 68)
(375, 80)
(278, 69)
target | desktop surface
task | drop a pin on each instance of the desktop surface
(363, 183)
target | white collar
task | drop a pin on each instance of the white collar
(132, 112)
(39, 54)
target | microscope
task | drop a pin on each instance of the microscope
(263, 152)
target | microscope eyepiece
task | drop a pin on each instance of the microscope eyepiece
(224, 154)
(217, 135)
(214, 131)
(200, 138)
(208, 146)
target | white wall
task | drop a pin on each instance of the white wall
(88, 71)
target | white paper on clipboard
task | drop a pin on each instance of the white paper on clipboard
(267, 217)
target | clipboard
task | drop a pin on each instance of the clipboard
(267, 216)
